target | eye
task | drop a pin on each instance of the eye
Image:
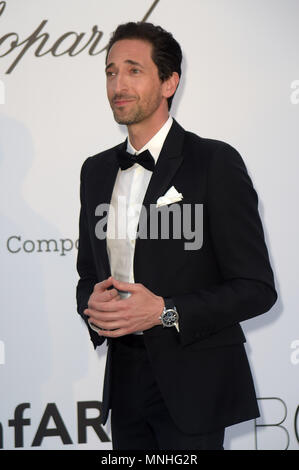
(110, 73)
(135, 71)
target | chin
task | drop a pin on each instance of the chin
(126, 121)
(123, 121)
(129, 120)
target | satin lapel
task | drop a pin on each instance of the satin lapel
(167, 165)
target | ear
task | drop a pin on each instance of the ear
(170, 85)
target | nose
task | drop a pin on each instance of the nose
(120, 83)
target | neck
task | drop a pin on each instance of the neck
(141, 132)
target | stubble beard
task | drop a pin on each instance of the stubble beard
(140, 113)
(130, 119)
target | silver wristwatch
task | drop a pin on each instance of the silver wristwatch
(169, 317)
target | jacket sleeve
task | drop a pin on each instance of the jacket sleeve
(247, 287)
(85, 263)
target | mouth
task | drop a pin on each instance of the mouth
(119, 102)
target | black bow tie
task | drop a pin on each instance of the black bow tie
(126, 160)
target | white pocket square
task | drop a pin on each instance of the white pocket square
(172, 195)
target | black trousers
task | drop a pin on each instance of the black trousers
(139, 417)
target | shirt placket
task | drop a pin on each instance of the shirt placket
(133, 214)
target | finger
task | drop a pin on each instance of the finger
(103, 285)
(105, 296)
(114, 305)
(117, 305)
(114, 333)
(112, 293)
(104, 317)
(108, 325)
(126, 286)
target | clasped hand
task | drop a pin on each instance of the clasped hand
(118, 317)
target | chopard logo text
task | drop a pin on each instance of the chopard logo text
(71, 43)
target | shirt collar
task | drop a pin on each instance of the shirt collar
(155, 144)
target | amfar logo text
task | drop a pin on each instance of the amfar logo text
(51, 414)
(71, 42)
(45, 429)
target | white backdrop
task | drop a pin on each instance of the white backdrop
(240, 84)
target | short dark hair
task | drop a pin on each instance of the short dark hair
(166, 51)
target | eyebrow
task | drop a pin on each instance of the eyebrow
(128, 61)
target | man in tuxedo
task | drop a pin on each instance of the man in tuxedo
(176, 373)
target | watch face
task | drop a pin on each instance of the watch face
(170, 317)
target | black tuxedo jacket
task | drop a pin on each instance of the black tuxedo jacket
(202, 370)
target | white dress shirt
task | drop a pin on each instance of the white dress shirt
(125, 206)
